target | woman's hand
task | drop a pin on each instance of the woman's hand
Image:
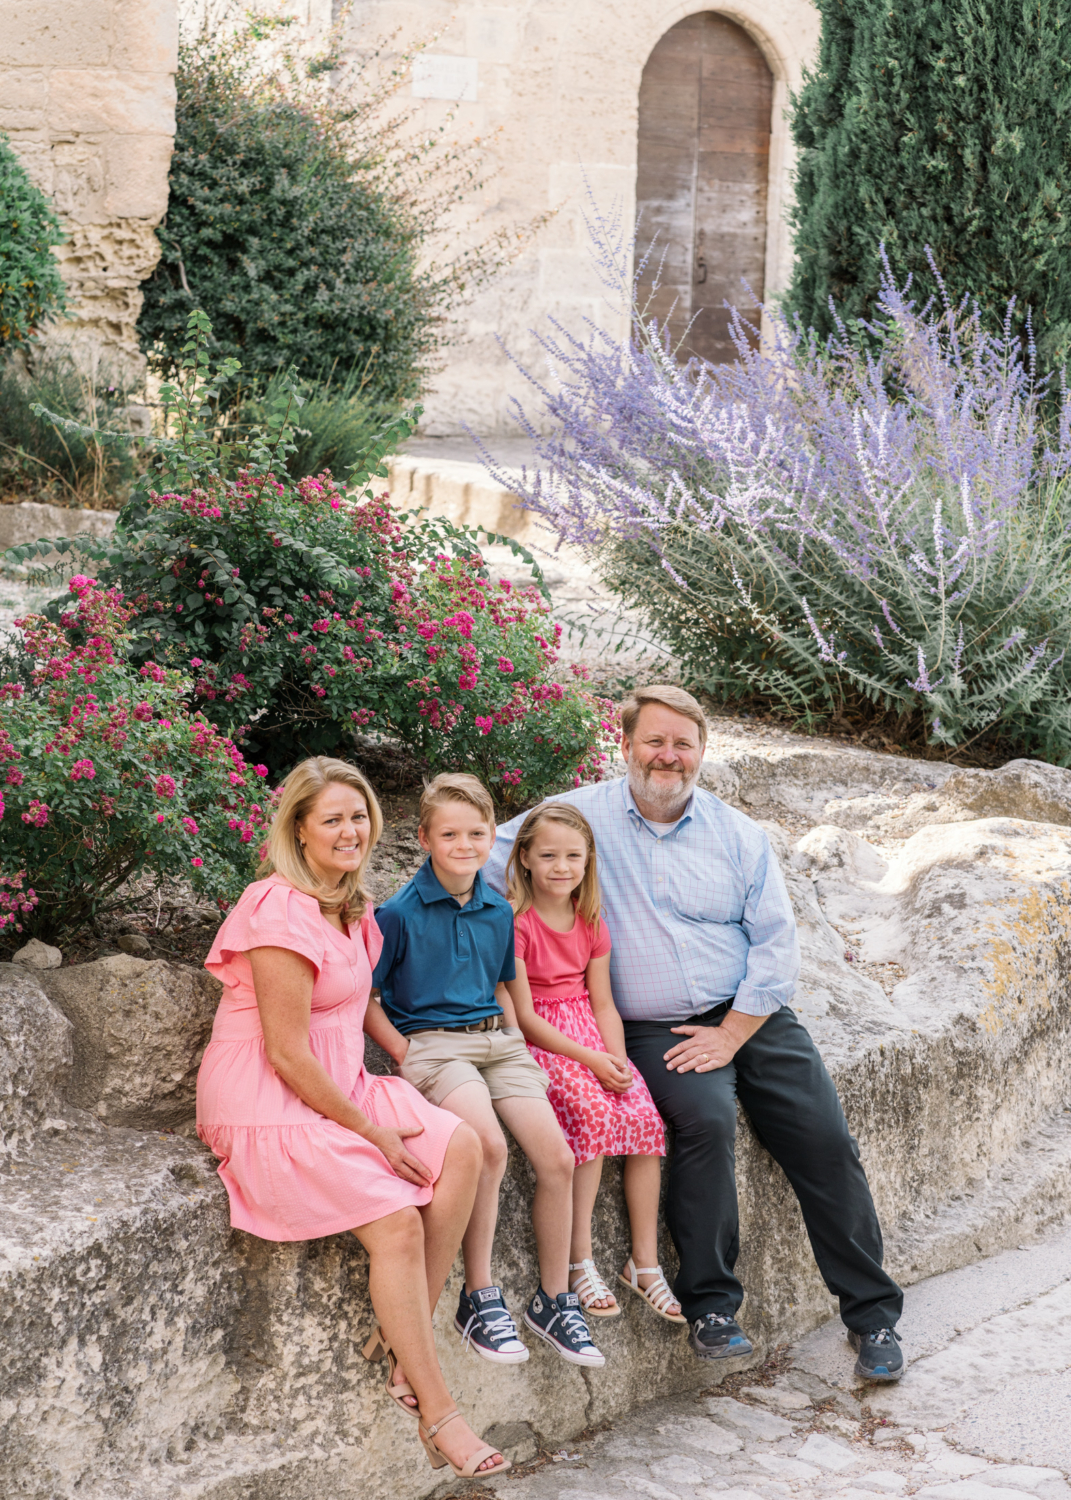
(403, 1163)
(611, 1072)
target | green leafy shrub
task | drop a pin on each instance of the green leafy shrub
(31, 287)
(107, 776)
(68, 465)
(940, 127)
(307, 611)
(333, 430)
(305, 218)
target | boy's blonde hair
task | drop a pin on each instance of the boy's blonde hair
(283, 854)
(669, 697)
(519, 880)
(456, 786)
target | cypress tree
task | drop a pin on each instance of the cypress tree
(944, 123)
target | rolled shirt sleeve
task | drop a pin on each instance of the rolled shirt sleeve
(773, 957)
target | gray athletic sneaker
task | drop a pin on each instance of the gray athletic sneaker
(715, 1337)
(879, 1354)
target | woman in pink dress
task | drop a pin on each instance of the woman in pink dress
(309, 1143)
(575, 1035)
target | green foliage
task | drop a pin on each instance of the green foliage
(945, 126)
(305, 217)
(333, 430)
(108, 776)
(31, 287)
(305, 611)
(67, 466)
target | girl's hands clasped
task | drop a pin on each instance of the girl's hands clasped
(403, 1163)
(611, 1072)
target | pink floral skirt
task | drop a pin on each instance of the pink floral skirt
(595, 1121)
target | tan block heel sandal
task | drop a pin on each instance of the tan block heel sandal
(438, 1459)
(657, 1295)
(590, 1288)
(378, 1348)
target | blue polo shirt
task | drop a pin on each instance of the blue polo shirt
(441, 961)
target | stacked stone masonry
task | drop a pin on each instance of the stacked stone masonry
(87, 96)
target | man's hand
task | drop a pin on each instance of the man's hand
(710, 1047)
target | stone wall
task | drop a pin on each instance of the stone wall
(87, 95)
(551, 90)
(148, 1350)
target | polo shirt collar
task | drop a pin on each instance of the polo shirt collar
(631, 808)
(430, 888)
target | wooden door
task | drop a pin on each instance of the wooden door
(706, 100)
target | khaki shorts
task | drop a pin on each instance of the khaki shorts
(438, 1062)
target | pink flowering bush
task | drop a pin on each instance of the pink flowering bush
(301, 612)
(87, 803)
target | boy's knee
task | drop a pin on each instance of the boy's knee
(495, 1150)
(557, 1164)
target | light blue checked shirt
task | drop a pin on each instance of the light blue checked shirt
(697, 916)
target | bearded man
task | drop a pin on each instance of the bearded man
(705, 950)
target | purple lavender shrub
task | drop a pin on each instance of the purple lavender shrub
(882, 536)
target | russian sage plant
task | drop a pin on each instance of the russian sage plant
(881, 536)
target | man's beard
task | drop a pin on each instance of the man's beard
(664, 796)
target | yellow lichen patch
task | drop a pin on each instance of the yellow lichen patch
(1025, 954)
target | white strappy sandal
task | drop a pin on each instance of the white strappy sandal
(590, 1287)
(657, 1295)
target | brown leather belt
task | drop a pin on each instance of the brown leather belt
(488, 1023)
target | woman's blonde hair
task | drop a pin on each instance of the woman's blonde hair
(283, 853)
(588, 896)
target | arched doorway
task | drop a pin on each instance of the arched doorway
(706, 101)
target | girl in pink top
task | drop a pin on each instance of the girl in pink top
(310, 1144)
(575, 1034)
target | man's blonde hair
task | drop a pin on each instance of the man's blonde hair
(519, 879)
(669, 697)
(283, 854)
(456, 786)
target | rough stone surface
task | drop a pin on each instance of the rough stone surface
(947, 1036)
(140, 1027)
(35, 1059)
(87, 95)
(29, 520)
(37, 955)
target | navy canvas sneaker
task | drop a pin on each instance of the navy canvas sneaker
(559, 1322)
(717, 1337)
(879, 1354)
(486, 1326)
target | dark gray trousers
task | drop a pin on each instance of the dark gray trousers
(782, 1083)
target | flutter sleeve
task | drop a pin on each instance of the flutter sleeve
(520, 938)
(270, 914)
(601, 944)
(373, 938)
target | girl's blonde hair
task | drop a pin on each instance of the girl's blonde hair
(283, 854)
(519, 880)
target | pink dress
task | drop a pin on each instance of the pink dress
(595, 1121)
(291, 1173)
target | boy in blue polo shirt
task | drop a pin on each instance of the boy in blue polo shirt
(447, 944)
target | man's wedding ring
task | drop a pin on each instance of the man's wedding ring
(704, 1056)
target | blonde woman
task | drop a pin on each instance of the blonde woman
(565, 1007)
(309, 1143)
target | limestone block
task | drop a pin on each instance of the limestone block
(29, 520)
(137, 167)
(112, 256)
(50, 33)
(35, 1058)
(37, 955)
(144, 37)
(36, 157)
(95, 99)
(23, 98)
(140, 1027)
(78, 179)
(1029, 789)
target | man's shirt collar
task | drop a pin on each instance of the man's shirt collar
(633, 810)
(430, 888)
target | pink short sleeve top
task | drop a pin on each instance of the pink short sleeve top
(556, 962)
